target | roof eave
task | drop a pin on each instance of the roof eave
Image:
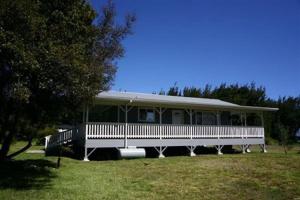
(120, 100)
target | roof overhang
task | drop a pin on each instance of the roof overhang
(154, 100)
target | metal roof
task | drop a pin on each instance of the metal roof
(133, 98)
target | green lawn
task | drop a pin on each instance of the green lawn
(273, 175)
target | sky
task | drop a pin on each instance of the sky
(199, 42)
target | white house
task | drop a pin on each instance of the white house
(137, 120)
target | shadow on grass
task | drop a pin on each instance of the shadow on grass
(26, 174)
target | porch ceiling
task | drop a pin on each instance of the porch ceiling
(155, 100)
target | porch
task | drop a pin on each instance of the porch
(161, 136)
(161, 127)
(133, 120)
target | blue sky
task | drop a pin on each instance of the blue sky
(198, 42)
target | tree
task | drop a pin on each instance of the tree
(283, 136)
(54, 59)
(289, 114)
(174, 91)
(191, 92)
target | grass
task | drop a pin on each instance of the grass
(273, 175)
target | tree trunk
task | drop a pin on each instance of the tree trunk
(285, 149)
(29, 144)
(5, 145)
(9, 130)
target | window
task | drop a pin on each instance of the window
(146, 115)
(236, 119)
(209, 118)
(225, 118)
(199, 118)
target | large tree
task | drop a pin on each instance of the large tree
(53, 59)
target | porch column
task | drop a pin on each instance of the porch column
(83, 117)
(160, 122)
(241, 118)
(86, 135)
(191, 123)
(161, 155)
(192, 148)
(219, 147)
(87, 114)
(126, 126)
(161, 149)
(218, 118)
(218, 123)
(244, 134)
(118, 114)
(264, 150)
(248, 146)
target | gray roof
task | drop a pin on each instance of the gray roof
(107, 97)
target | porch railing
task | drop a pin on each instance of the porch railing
(164, 131)
(59, 138)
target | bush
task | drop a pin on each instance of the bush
(271, 141)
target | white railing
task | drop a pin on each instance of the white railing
(118, 130)
(59, 138)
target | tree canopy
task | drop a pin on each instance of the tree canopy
(53, 59)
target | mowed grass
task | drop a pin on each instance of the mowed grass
(255, 175)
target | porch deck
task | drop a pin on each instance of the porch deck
(94, 135)
(118, 135)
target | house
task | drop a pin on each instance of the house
(127, 121)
